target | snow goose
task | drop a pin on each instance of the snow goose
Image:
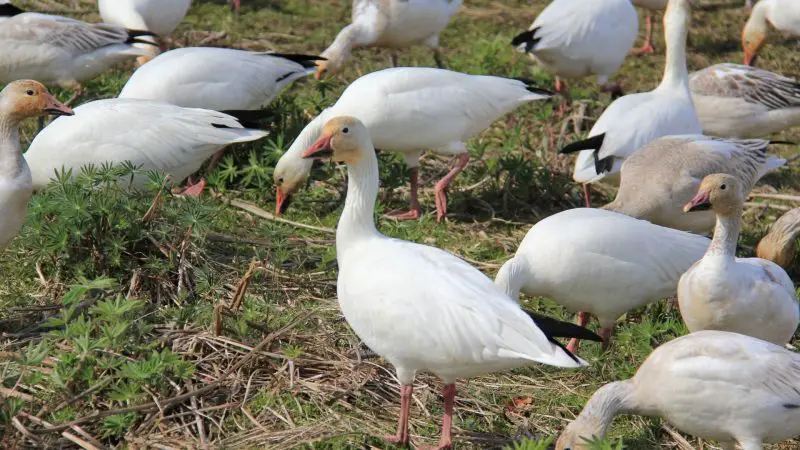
(779, 244)
(392, 24)
(18, 101)
(157, 16)
(664, 175)
(634, 120)
(783, 15)
(600, 262)
(575, 39)
(421, 308)
(62, 51)
(733, 100)
(155, 136)
(751, 296)
(220, 79)
(712, 384)
(408, 110)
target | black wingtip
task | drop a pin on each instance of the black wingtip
(592, 143)
(603, 165)
(134, 35)
(307, 61)
(248, 118)
(531, 86)
(528, 38)
(9, 10)
(782, 143)
(554, 328)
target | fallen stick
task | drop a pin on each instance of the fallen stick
(256, 211)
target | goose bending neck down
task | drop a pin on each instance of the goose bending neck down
(451, 320)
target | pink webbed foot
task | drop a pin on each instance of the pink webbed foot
(194, 190)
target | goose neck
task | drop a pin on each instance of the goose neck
(511, 277)
(11, 162)
(357, 220)
(606, 403)
(676, 29)
(726, 234)
(340, 48)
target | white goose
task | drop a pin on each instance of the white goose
(575, 39)
(157, 16)
(751, 296)
(661, 177)
(409, 110)
(634, 120)
(733, 100)
(712, 384)
(421, 308)
(155, 136)
(220, 79)
(18, 101)
(599, 262)
(392, 24)
(783, 15)
(62, 51)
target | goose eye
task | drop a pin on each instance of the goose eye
(345, 130)
(29, 92)
(723, 187)
(280, 180)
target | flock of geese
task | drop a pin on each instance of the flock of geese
(685, 156)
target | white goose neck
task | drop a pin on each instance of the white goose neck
(11, 161)
(339, 51)
(606, 403)
(676, 29)
(726, 235)
(357, 221)
(511, 277)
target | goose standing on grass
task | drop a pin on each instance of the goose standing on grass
(664, 175)
(220, 79)
(409, 110)
(733, 100)
(783, 15)
(153, 136)
(751, 296)
(60, 51)
(391, 24)
(650, 6)
(599, 262)
(712, 384)
(575, 39)
(779, 244)
(157, 16)
(18, 101)
(637, 119)
(421, 308)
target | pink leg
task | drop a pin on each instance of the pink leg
(215, 160)
(441, 187)
(446, 441)
(606, 333)
(236, 4)
(647, 48)
(401, 438)
(587, 195)
(414, 211)
(561, 88)
(583, 319)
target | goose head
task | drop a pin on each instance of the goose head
(754, 34)
(27, 98)
(721, 193)
(576, 436)
(332, 65)
(344, 139)
(289, 176)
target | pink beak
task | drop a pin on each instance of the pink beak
(320, 149)
(56, 108)
(700, 202)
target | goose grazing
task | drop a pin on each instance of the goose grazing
(220, 79)
(751, 296)
(783, 15)
(733, 100)
(153, 136)
(779, 244)
(712, 384)
(19, 100)
(637, 119)
(391, 24)
(409, 110)
(157, 16)
(62, 51)
(661, 177)
(599, 262)
(575, 39)
(451, 320)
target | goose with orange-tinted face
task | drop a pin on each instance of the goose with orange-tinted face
(18, 101)
(783, 15)
(419, 307)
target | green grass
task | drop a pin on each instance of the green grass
(102, 309)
